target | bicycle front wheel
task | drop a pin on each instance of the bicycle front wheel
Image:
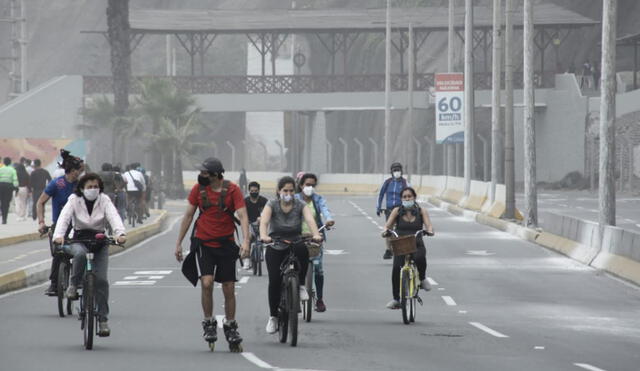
(293, 288)
(89, 310)
(405, 297)
(307, 306)
(63, 279)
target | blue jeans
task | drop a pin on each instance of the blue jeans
(100, 267)
(318, 273)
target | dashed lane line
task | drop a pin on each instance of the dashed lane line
(488, 330)
(449, 301)
(432, 281)
(243, 280)
(587, 366)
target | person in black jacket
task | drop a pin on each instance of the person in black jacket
(38, 180)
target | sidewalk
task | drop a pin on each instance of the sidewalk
(19, 231)
(28, 263)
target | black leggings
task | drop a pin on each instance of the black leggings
(274, 258)
(420, 258)
(6, 194)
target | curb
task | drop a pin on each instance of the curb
(619, 266)
(6, 241)
(39, 272)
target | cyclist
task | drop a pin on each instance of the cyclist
(407, 220)
(135, 188)
(58, 190)
(111, 180)
(284, 217)
(319, 209)
(255, 203)
(90, 210)
(214, 244)
(391, 189)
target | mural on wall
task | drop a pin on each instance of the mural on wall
(47, 150)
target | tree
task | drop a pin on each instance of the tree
(101, 114)
(119, 35)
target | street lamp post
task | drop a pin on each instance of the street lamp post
(345, 145)
(233, 155)
(329, 156)
(418, 154)
(375, 154)
(361, 153)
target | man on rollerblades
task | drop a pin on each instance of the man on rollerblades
(214, 252)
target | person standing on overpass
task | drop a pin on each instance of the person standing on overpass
(391, 189)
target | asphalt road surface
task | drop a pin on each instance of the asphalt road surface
(498, 303)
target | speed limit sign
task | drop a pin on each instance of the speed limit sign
(449, 108)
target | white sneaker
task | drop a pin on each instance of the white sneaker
(247, 264)
(393, 304)
(272, 325)
(72, 292)
(304, 296)
(426, 286)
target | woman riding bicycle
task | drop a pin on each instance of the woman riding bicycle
(284, 217)
(408, 219)
(90, 210)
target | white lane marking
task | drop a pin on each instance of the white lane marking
(479, 253)
(220, 320)
(131, 278)
(255, 360)
(587, 366)
(148, 273)
(432, 281)
(243, 280)
(449, 301)
(538, 348)
(440, 288)
(638, 225)
(335, 252)
(134, 283)
(488, 330)
(462, 311)
(370, 218)
(143, 243)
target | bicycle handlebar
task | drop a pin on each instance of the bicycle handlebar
(288, 242)
(419, 233)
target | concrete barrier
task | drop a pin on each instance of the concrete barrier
(454, 190)
(477, 196)
(350, 183)
(432, 185)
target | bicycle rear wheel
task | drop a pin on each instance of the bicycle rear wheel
(260, 259)
(89, 310)
(405, 297)
(307, 306)
(293, 288)
(283, 324)
(254, 259)
(63, 279)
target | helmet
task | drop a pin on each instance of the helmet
(396, 166)
(212, 165)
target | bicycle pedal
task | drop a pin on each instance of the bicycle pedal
(419, 299)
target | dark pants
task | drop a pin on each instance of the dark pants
(56, 258)
(6, 194)
(35, 196)
(420, 258)
(274, 259)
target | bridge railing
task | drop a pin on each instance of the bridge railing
(294, 84)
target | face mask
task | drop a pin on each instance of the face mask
(204, 180)
(308, 191)
(408, 204)
(254, 194)
(286, 197)
(397, 174)
(91, 194)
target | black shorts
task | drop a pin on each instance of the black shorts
(219, 262)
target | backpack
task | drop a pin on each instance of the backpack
(108, 179)
(136, 182)
(206, 203)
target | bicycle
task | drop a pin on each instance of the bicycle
(409, 277)
(308, 305)
(257, 251)
(132, 211)
(289, 293)
(64, 272)
(87, 313)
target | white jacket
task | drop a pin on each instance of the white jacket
(132, 174)
(76, 209)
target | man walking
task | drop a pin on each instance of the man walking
(8, 184)
(38, 180)
(214, 252)
(391, 189)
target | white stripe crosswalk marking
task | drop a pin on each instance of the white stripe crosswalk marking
(587, 366)
(488, 330)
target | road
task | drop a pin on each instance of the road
(498, 303)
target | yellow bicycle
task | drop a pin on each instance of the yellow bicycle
(409, 278)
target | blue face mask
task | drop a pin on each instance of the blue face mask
(408, 204)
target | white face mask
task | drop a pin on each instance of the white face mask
(286, 197)
(397, 174)
(91, 194)
(308, 191)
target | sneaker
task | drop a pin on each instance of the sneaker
(52, 289)
(272, 325)
(393, 304)
(103, 328)
(320, 307)
(72, 292)
(426, 286)
(304, 296)
(209, 328)
(387, 255)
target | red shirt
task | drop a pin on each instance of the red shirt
(213, 222)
